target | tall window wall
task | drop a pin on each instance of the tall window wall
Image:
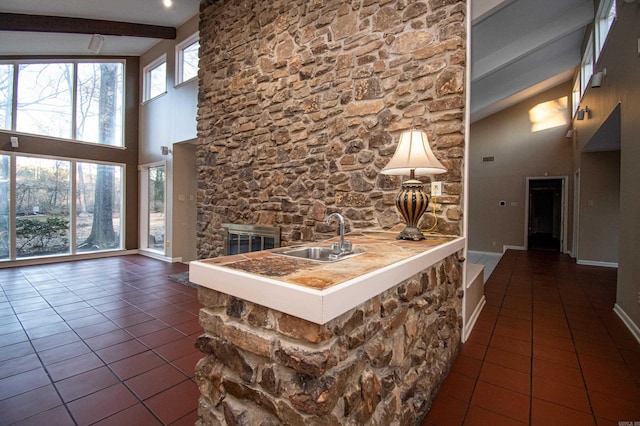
(56, 206)
(52, 205)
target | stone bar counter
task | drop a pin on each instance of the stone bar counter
(365, 340)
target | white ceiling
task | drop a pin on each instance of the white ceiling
(519, 47)
(150, 12)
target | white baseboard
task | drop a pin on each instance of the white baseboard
(158, 256)
(473, 318)
(45, 260)
(633, 328)
(484, 253)
(596, 263)
(521, 248)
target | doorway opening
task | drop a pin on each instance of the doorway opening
(546, 213)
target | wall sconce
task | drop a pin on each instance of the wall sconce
(596, 79)
(95, 44)
(413, 156)
(165, 150)
(582, 112)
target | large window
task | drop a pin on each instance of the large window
(6, 95)
(155, 78)
(59, 206)
(187, 59)
(604, 21)
(586, 67)
(71, 100)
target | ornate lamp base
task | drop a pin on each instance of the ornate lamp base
(411, 202)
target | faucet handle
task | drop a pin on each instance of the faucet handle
(348, 247)
(335, 248)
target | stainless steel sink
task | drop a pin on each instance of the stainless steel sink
(316, 254)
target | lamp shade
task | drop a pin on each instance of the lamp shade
(413, 154)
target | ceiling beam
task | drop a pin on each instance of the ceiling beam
(62, 24)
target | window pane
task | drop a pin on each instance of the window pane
(98, 207)
(45, 99)
(156, 208)
(157, 80)
(42, 206)
(5, 194)
(190, 61)
(6, 90)
(99, 105)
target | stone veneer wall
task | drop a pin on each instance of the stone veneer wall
(379, 363)
(301, 104)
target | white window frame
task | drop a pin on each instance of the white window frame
(576, 95)
(605, 19)
(180, 48)
(586, 66)
(143, 222)
(146, 78)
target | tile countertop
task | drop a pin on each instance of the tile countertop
(319, 292)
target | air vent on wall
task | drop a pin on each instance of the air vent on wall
(488, 159)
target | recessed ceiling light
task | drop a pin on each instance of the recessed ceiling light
(167, 3)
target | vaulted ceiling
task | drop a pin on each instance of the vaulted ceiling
(518, 47)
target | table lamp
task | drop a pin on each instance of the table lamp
(413, 157)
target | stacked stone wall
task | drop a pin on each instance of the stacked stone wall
(301, 103)
(379, 363)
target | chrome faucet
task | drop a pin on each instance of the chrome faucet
(344, 247)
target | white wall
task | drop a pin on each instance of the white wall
(167, 120)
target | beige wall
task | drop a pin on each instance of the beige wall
(599, 207)
(520, 151)
(622, 86)
(184, 201)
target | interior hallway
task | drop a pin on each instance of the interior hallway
(547, 350)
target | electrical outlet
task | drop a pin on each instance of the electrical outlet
(436, 189)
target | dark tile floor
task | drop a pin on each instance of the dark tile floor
(110, 342)
(547, 350)
(104, 341)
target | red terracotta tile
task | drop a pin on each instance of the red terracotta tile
(96, 329)
(15, 350)
(187, 363)
(61, 353)
(511, 360)
(108, 339)
(467, 366)
(85, 383)
(458, 386)
(130, 320)
(188, 420)
(72, 366)
(177, 318)
(19, 365)
(473, 350)
(176, 349)
(29, 404)
(545, 413)
(145, 328)
(101, 404)
(175, 403)
(121, 350)
(511, 345)
(159, 338)
(135, 415)
(58, 416)
(477, 416)
(557, 372)
(480, 337)
(501, 401)
(609, 377)
(154, 381)
(137, 364)
(609, 352)
(566, 358)
(23, 382)
(446, 410)
(505, 377)
(561, 394)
